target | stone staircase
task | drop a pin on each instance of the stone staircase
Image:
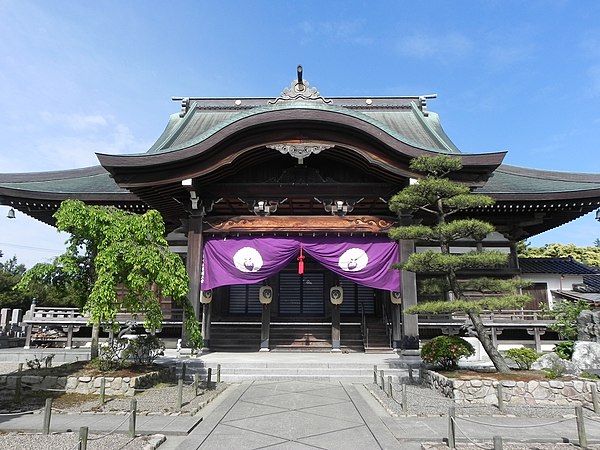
(272, 370)
(378, 340)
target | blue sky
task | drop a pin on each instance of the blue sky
(83, 77)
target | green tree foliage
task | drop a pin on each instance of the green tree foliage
(565, 314)
(11, 273)
(589, 256)
(110, 248)
(441, 198)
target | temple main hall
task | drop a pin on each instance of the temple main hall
(279, 207)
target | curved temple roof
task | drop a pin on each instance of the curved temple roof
(382, 132)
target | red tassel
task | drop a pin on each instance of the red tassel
(300, 262)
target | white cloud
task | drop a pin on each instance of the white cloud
(78, 150)
(509, 55)
(341, 31)
(444, 48)
(75, 121)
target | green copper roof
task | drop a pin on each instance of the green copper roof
(511, 180)
(408, 124)
(94, 180)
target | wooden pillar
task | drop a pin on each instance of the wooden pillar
(396, 326)
(537, 337)
(194, 261)
(495, 332)
(206, 313)
(335, 328)
(194, 268)
(69, 337)
(410, 322)
(265, 328)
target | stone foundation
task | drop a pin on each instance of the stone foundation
(539, 392)
(114, 386)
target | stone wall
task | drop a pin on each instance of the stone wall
(588, 326)
(126, 386)
(539, 392)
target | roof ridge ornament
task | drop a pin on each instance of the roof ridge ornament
(299, 90)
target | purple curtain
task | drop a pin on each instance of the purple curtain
(365, 261)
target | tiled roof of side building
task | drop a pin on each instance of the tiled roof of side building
(593, 281)
(554, 265)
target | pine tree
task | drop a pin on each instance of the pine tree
(441, 198)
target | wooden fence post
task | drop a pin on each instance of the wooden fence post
(390, 388)
(580, 427)
(209, 378)
(500, 395)
(218, 373)
(47, 416)
(102, 390)
(375, 374)
(404, 399)
(196, 383)
(179, 393)
(595, 402)
(497, 442)
(132, 411)
(451, 427)
(83, 438)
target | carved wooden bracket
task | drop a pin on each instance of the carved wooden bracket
(298, 224)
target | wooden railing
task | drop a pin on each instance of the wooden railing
(38, 319)
(511, 315)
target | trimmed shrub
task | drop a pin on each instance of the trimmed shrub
(523, 357)
(565, 349)
(445, 351)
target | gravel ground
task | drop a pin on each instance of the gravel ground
(510, 446)
(69, 441)
(423, 401)
(160, 400)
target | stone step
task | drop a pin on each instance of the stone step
(344, 374)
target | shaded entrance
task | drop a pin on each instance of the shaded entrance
(301, 295)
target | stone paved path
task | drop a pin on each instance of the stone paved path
(291, 415)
